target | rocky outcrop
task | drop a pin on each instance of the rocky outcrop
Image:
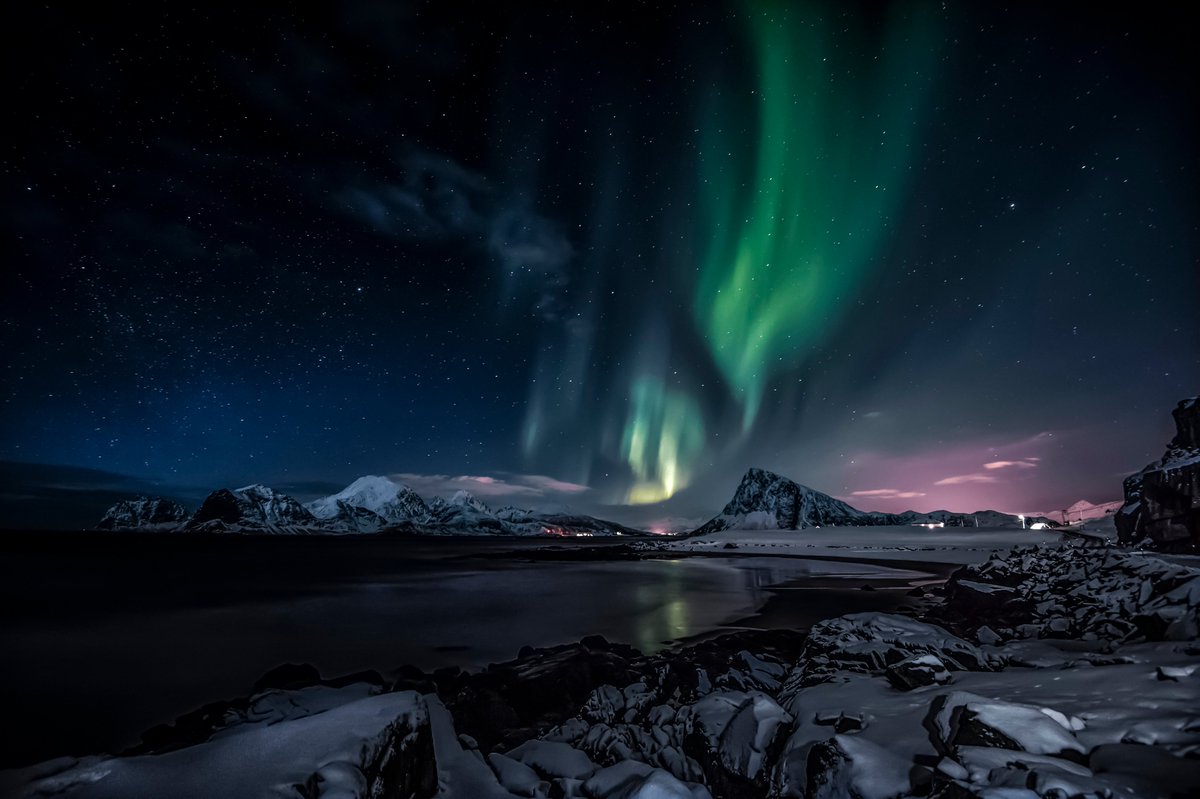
(1089, 594)
(1162, 501)
(142, 513)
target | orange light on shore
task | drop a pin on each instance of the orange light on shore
(561, 533)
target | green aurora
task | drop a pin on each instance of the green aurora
(795, 221)
(792, 217)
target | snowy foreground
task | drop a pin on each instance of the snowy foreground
(1049, 671)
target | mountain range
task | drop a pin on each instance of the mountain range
(767, 501)
(374, 504)
(371, 504)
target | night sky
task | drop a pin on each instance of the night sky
(597, 256)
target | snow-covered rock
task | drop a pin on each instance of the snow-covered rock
(1084, 593)
(750, 733)
(554, 759)
(366, 747)
(144, 513)
(848, 766)
(871, 642)
(962, 718)
(918, 671)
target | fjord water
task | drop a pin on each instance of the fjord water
(110, 634)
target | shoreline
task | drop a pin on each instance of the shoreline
(1089, 691)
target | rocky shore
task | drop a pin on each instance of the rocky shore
(1043, 672)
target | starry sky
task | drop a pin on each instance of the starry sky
(596, 256)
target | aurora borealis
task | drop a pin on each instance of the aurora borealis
(796, 212)
(605, 258)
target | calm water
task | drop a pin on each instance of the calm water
(110, 635)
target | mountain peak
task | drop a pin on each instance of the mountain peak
(383, 496)
(765, 500)
(465, 499)
(758, 474)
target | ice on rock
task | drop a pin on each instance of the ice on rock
(712, 714)
(554, 759)
(851, 766)
(604, 705)
(461, 774)
(870, 642)
(516, 777)
(658, 784)
(918, 671)
(609, 781)
(966, 719)
(749, 734)
(764, 672)
(352, 750)
(1045, 775)
(630, 779)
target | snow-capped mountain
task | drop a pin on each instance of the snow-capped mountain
(370, 504)
(253, 509)
(143, 513)
(465, 499)
(765, 500)
(463, 512)
(392, 501)
(510, 513)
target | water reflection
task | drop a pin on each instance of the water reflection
(134, 667)
(663, 608)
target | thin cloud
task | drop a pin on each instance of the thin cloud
(963, 479)
(887, 493)
(552, 485)
(510, 485)
(1024, 463)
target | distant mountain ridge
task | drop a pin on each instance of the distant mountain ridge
(370, 504)
(765, 500)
